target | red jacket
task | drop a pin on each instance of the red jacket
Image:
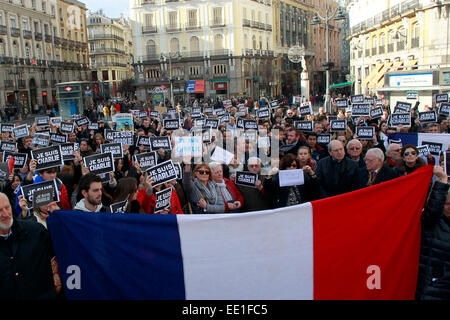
(234, 191)
(148, 202)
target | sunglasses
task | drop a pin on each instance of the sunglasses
(354, 148)
(413, 153)
(294, 165)
(202, 172)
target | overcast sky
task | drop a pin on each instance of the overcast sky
(111, 8)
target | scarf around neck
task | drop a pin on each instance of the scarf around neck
(209, 193)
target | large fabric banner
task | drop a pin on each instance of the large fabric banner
(361, 245)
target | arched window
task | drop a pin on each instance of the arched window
(218, 42)
(2, 47)
(254, 42)
(194, 44)
(38, 52)
(27, 50)
(151, 48)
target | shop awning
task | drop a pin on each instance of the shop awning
(398, 65)
(341, 85)
(372, 74)
(411, 64)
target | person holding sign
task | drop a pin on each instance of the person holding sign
(48, 174)
(410, 160)
(292, 195)
(230, 194)
(203, 193)
(148, 201)
(39, 214)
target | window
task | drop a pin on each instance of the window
(33, 4)
(151, 48)
(217, 16)
(194, 44)
(25, 24)
(173, 21)
(12, 20)
(149, 20)
(195, 70)
(174, 45)
(220, 69)
(44, 6)
(192, 18)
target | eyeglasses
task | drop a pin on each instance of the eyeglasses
(202, 172)
(354, 148)
(413, 153)
(293, 165)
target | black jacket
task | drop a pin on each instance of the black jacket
(337, 177)
(25, 263)
(434, 265)
(385, 174)
(310, 191)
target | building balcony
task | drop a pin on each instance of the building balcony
(106, 50)
(103, 36)
(174, 28)
(415, 42)
(217, 24)
(246, 23)
(56, 40)
(37, 36)
(3, 30)
(390, 47)
(193, 26)
(64, 42)
(149, 29)
(193, 54)
(151, 58)
(15, 32)
(48, 38)
(27, 34)
(6, 60)
(221, 52)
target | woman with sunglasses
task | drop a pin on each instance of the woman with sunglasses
(292, 195)
(410, 160)
(203, 193)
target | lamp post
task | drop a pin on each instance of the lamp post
(337, 15)
(177, 56)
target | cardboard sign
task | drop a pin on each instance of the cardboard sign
(324, 138)
(395, 142)
(243, 108)
(434, 147)
(369, 100)
(274, 103)
(162, 199)
(67, 150)
(142, 114)
(227, 103)
(444, 110)
(428, 116)
(365, 133)
(208, 110)
(49, 157)
(4, 171)
(8, 146)
(402, 107)
(290, 178)
(263, 114)
(362, 110)
(82, 121)
(124, 122)
(42, 198)
(40, 140)
(171, 124)
(250, 125)
(251, 135)
(307, 126)
(412, 95)
(219, 112)
(100, 163)
(423, 151)
(196, 110)
(67, 127)
(56, 138)
(21, 131)
(124, 137)
(154, 114)
(20, 159)
(188, 146)
(146, 160)
(357, 99)
(162, 173)
(211, 123)
(119, 207)
(441, 97)
(305, 109)
(199, 122)
(157, 143)
(401, 119)
(246, 179)
(225, 118)
(196, 115)
(143, 141)
(240, 123)
(342, 103)
(338, 125)
(29, 190)
(222, 156)
(93, 126)
(56, 121)
(376, 113)
(42, 121)
(115, 148)
(6, 127)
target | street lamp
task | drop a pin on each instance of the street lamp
(317, 19)
(177, 55)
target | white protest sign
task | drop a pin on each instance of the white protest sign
(291, 178)
(188, 146)
(222, 156)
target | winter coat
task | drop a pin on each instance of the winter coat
(434, 264)
(337, 177)
(25, 263)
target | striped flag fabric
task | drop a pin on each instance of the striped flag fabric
(363, 245)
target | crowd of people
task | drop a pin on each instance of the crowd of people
(343, 163)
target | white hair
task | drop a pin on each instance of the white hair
(377, 152)
(214, 165)
(352, 142)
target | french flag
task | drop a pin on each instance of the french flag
(363, 245)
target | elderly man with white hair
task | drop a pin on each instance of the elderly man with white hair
(354, 151)
(375, 171)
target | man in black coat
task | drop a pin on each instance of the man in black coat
(337, 174)
(26, 258)
(375, 171)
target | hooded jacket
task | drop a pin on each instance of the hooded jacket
(81, 206)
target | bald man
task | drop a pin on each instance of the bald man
(26, 257)
(337, 174)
